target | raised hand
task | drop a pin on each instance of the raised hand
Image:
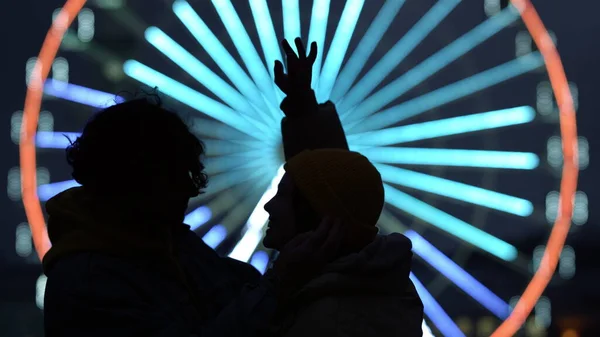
(297, 82)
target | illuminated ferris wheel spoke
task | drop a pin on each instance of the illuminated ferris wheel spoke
(260, 260)
(346, 100)
(447, 267)
(365, 48)
(198, 217)
(54, 140)
(240, 214)
(450, 224)
(223, 181)
(189, 96)
(215, 129)
(200, 72)
(434, 64)
(317, 33)
(266, 33)
(449, 93)
(79, 94)
(453, 157)
(243, 44)
(218, 147)
(291, 21)
(444, 127)
(435, 312)
(219, 165)
(254, 230)
(221, 204)
(221, 56)
(47, 191)
(337, 49)
(455, 190)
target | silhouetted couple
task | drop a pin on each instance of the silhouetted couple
(124, 264)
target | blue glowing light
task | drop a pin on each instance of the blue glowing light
(221, 56)
(453, 157)
(338, 47)
(450, 224)
(445, 127)
(291, 21)
(365, 48)
(54, 140)
(189, 96)
(47, 191)
(316, 33)
(456, 190)
(243, 44)
(390, 60)
(449, 93)
(435, 312)
(434, 63)
(198, 217)
(459, 276)
(260, 261)
(79, 94)
(204, 75)
(215, 236)
(266, 33)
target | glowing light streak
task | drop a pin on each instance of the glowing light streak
(459, 276)
(266, 33)
(198, 217)
(47, 191)
(445, 127)
(188, 96)
(317, 33)
(447, 267)
(453, 157)
(241, 40)
(254, 227)
(204, 75)
(450, 224)
(391, 59)
(449, 93)
(435, 312)
(260, 261)
(291, 21)
(365, 48)
(221, 56)
(338, 48)
(215, 236)
(78, 94)
(435, 63)
(456, 190)
(55, 140)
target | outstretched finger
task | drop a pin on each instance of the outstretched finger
(312, 55)
(280, 77)
(300, 48)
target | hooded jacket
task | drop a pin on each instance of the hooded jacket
(105, 279)
(368, 293)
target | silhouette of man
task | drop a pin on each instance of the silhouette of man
(122, 262)
(365, 289)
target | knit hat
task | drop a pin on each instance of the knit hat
(342, 184)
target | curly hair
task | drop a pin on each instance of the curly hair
(131, 143)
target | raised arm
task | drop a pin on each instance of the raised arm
(307, 124)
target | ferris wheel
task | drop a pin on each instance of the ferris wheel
(458, 113)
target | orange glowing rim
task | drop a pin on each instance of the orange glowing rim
(568, 129)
